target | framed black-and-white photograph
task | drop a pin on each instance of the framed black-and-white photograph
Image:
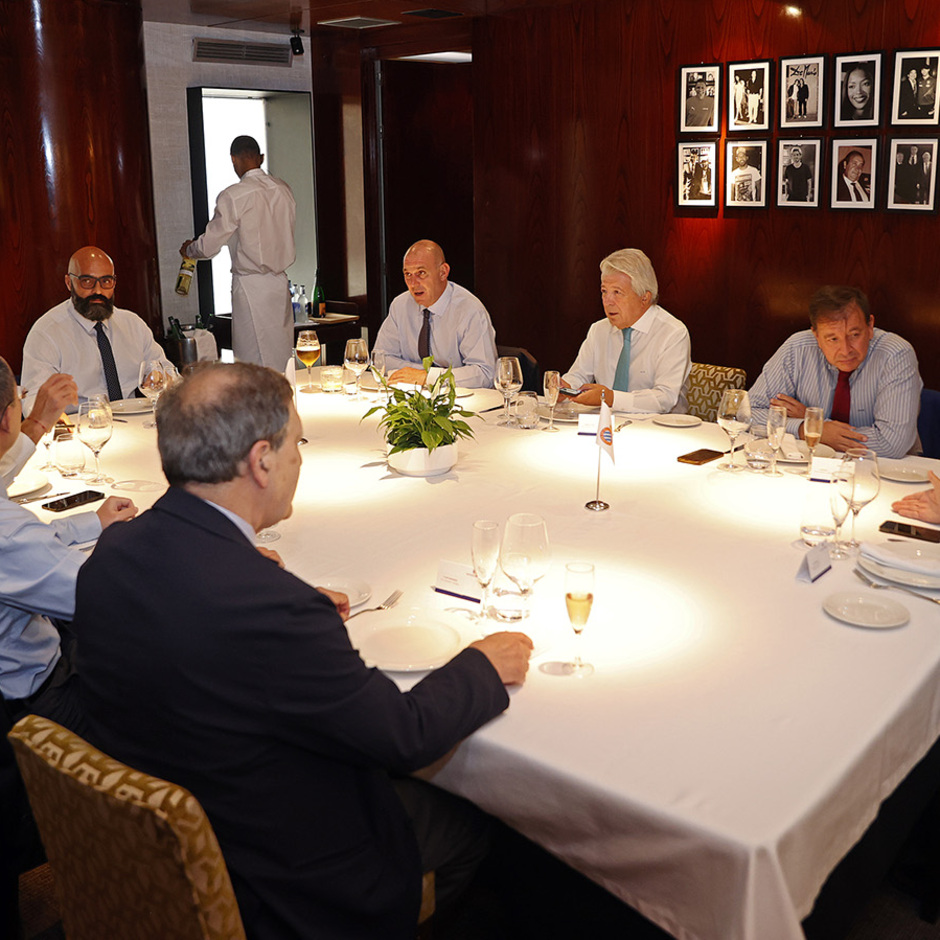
(749, 96)
(854, 168)
(914, 98)
(746, 171)
(912, 175)
(697, 181)
(699, 99)
(802, 91)
(857, 90)
(799, 171)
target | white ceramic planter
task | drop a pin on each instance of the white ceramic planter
(421, 462)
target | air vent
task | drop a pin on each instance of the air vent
(358, 22)
(432, 14)
(244, 53)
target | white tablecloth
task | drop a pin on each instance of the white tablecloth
(734, 741)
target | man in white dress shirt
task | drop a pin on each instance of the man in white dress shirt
(440, 319)
(81, 334)
(638, 358)
(255, 218)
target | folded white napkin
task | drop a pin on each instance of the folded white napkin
(921, 559)
(791, 448)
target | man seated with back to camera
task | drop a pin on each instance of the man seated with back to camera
(204, 663)
(865, 379)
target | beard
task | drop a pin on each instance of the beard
(93, 307)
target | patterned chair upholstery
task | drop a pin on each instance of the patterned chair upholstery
(133, 856)
(706, 383)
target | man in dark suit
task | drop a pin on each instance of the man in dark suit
(851, 186)
(206, 663)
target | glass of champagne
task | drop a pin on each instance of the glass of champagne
(152, 380)
(356, 359)
(551, 383)
(579, 596)
(734, 417)
(524, 553)
(840, 501)
(508, 380)
(866, 482)
(484, 549)
(307, 350)
(95, 424)
(812, 432)
(776, 429)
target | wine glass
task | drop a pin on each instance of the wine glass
(776, 428)
(812, 432)
(734, 416)
(152, 380)
(307, 350)
(840, 501)
(356, 360)
(866, 482)
(380, 369)
(525, 553)
(267, 535)
(484, 549)
(579, 596)
(551, 383)
(95, 424)
(508, 380)
(47, 443)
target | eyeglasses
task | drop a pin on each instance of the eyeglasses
(88, 281)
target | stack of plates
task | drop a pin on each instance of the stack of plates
(914, 564)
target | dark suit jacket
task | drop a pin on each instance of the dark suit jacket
(206, 664)
(842, 191)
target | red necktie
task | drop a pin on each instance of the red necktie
(841, 399)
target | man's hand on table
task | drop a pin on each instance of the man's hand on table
(592, 394)
(408, 376)
(924, 506)
(340, 601)
(795, 409)
(509, 653)
(54, 396)
(115, 509)
(840, 436)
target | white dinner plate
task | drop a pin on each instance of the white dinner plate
(132, 406)
(30, 481)
(899, 575)
(763, 447)
(863, 609)
(463, 392)
(902, 474)
(358, 592)
(405, 640)
(677, 421)
(568, 412)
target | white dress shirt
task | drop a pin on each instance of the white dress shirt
(660, 360)
(16, 458)
(62, 340)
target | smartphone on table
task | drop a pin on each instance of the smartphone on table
(893, 527)
(73, 500)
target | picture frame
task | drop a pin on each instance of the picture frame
(914, 99)
(697, 174)
(802, 92)
(746, 174)
(854, 162)
(799, 172)
(699, 98)
(912, 174)
(856, 95)
(750, 96)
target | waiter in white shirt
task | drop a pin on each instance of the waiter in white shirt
(255, 218)
(638, 358)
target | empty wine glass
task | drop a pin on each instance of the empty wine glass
(380, 369)
(356, 359)
(579, 597)
(267, 535)
(307, 350)
(734, 417)
(152, 380)
(484, 549)
(525, 553)
(812, 432)
(863, 464)
(508, 380)
(95, 424)
(840, 501)
(551, 383)
(776, 428)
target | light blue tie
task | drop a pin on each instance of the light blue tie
(622, 376)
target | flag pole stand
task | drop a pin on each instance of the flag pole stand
(597, 504)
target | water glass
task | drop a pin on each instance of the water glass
(69, 455)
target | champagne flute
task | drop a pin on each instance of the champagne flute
(356, 360)
(95, 424)
(863, 464)
(152, 380)
(484, 549)
(734, 416)
(307, 350)
(776, 428)
(840, 501)
(524, 553)
(579, 596)
(551, 383)
(508, 380)
(812, 432)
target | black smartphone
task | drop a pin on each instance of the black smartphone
(698, 457)
(571, 392)
(911, 531)
(70, 502)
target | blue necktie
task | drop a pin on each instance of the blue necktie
(622, 376)
(107, 361)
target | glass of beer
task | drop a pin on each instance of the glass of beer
(307, 350)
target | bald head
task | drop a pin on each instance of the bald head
(425, 272)
(91, 281)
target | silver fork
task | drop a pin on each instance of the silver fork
(895, 587)
(389, 601)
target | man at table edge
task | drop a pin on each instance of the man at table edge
(637, 359)
(865, 379)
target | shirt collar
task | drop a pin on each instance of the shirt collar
(233, 517)
(87, 325)
(643, 325)
(443, 302)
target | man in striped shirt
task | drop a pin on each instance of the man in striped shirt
(865, 379)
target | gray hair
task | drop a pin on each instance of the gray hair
(635, 264)
(208, 422)
(7, 386)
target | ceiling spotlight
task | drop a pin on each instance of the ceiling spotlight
(296, 43)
